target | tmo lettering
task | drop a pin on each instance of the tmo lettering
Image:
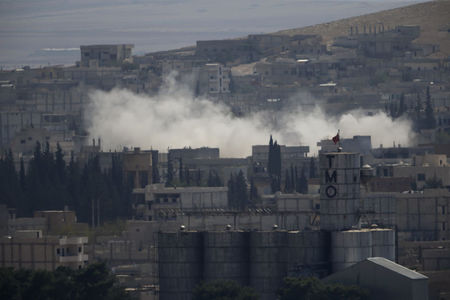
(332, 178)
(330, 160)
(330, 191)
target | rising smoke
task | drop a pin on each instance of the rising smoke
(174, 118)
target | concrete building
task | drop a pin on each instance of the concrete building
(56, 220)
(224, 50)
(214, 79)
(417, 216)
(31, 250)
(138, 166)
(194, 153)
(375, 41)
(425, 175)
(12, 123)
(384, 279)
(105, 55)
(170, 203)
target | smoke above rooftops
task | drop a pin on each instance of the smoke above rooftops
(174, 118)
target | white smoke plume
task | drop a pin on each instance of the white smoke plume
(174, 118)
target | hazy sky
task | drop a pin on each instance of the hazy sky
(27, 26)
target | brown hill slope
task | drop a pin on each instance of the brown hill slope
(433, 18)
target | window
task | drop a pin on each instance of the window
(443, 226)
(420, 177)
(58, 251)
(79, 249)
(443, 209)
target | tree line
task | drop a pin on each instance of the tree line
(188, 177)
(49, 183)
(293, 288)
(422, 114)
(294, 180)
(93, 282)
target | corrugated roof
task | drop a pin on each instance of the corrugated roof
(396, 268)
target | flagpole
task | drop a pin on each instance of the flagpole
(339, 141)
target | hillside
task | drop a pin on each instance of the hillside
(433, 18)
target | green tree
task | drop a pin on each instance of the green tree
(270, 159)
(187, 177)
(430, 120)
(223, 290)
(402, 109)
(169, 179)
(180, 171)
(312, 168)
(93, 282)
(311, 288)
(9, 285)
(287, 182)
(302, 183)
(198, 179)
(253, 197)
(241, 190)
(232, 199)
(214, 179)
(237, 191)
(274, 165)
(433, 183)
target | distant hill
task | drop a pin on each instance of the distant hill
(433, 18)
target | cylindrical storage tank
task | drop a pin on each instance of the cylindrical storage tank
(180, 264)
(339, 190)
(226, 256)
(307, 253)
(268, 262)
(350, 247)
(383, 243)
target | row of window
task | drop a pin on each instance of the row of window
(65, 251)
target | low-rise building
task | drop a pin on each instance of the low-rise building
(30, 249)
(105, 55)
(167, 203)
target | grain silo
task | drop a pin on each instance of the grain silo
(226, 256)
(180, 256)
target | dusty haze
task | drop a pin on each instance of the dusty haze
(175, 119)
